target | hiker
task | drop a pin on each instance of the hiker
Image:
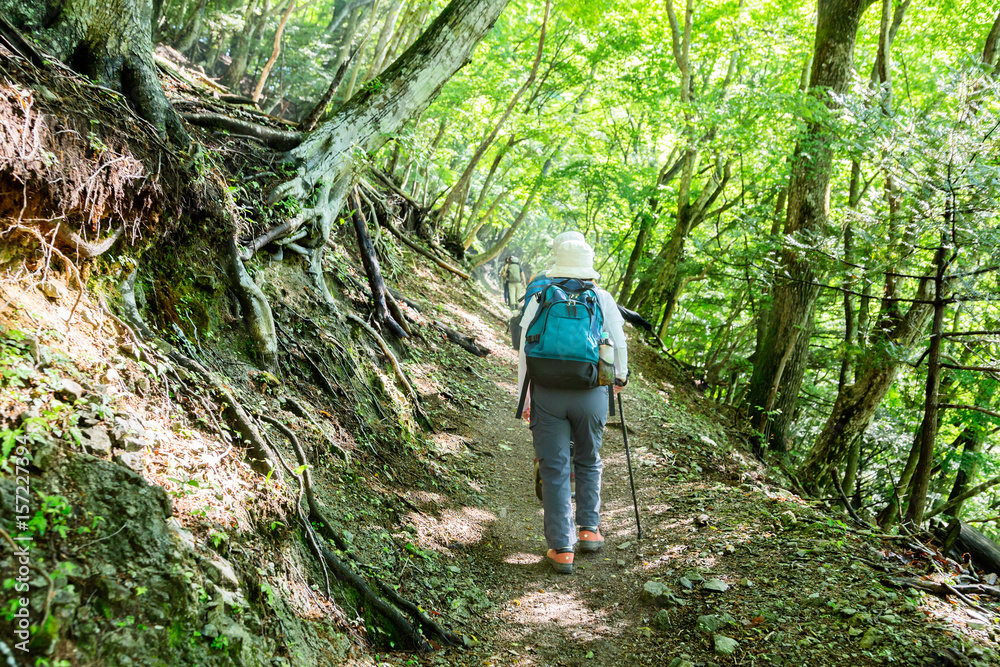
(557, 415)
(515, 282)
(502, 275)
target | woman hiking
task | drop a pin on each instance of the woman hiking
(558, 415)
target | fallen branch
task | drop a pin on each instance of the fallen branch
(944, 590)
(467, 343)
(847, 504)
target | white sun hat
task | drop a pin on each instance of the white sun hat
(574, 259)
(558, 241)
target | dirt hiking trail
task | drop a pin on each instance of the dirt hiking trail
(732, 569)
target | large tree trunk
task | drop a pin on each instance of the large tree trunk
(808, 202)
(107, 40)
(326, 164)
(249, 36)
(856, 403)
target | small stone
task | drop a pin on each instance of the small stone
(70, 391)
(891, 619)
(854, 632)
(702, 520)
(746, 583)
(128, 349)
(52, 290)
(652, 590)
(96, 440)
(686, 583)
(695, 576)
(132, 444)
(112, 376)
(87, 315)
(713, 622)
(662, 619)
(871, 638)
(717, 585)
(645, 632)
(680, 662)
(725, 645)
(623, 546)
(788, 518)
(848, 611)
(131, 460)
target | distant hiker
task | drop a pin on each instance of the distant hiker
(563, 400)
(502, 274)
(514, 277)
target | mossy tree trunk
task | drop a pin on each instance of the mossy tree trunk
(330, 157)
(808, 205)
(107, 40)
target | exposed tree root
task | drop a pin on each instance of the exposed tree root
(256, 309)
(344, 573)
(465, 342)
(258, 453)
(397, 369)
(278, 140)
(375, 281)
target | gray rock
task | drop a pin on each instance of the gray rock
(717, 585)
(847, 611)
(70, 391)
(871, 638)
(686, 583)
(131, 460)
(713, 622)
(788, 518)
(725, 645)
(695, 576)
(132, 444)
(662, 619)
(97, 441)
(652, 590)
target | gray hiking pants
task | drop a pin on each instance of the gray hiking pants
(558, 416)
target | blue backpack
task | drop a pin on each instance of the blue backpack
(561, 345)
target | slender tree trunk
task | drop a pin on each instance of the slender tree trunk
(383, 40)
(856, 403)
(466, 176)
(274, 52)
(490, 254)
(808, 200)
(922, 476)
(192, 29)
(252, 25)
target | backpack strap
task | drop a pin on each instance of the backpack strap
(520, 403)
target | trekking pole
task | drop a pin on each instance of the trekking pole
(628, 457)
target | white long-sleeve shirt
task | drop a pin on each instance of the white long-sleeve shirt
(613, 324)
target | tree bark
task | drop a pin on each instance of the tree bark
(274, 52)
(808, 201)
(252, 27)
(108, 40)
(856, 403)
(498, 247)
(363, 125)
(929, 427)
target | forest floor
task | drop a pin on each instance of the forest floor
(798, 585)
